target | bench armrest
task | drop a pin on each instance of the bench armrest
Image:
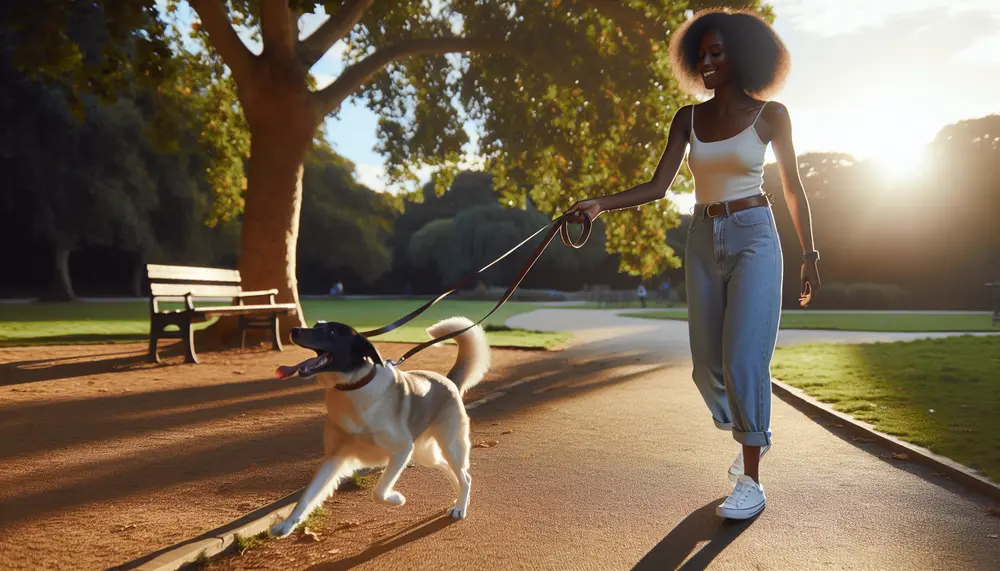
(258, 293)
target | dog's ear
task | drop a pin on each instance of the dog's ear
(361, 348)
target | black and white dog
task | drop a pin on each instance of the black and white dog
(381, 416)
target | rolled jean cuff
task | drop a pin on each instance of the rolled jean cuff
(727, 426)
(752, 438)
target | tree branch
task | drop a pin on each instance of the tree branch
(277, 29)
(355, 75)
(312, 48)
(224, 38)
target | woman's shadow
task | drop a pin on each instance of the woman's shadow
(702, 525)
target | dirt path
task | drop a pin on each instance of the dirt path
(608, 459)
(104, 457)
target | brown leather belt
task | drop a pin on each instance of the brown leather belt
(716, 209)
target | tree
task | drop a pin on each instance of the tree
(570, 97)
(72, 183)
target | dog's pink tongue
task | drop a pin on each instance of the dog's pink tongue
(285, 372)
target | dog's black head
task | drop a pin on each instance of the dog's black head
(339, 348)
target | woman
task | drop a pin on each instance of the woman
(733, 263)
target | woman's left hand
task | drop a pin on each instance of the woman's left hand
(810, 282)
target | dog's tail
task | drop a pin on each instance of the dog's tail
(473, 351)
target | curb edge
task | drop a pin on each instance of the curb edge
(958, 473)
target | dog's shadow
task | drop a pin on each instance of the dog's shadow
(420, 529)
(701, 525)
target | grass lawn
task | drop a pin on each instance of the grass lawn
(862, 321)
(121, 322)
(630, 304)
(942, 394)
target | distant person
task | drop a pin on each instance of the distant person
(733, 261)
(641, 292)
(337, 290)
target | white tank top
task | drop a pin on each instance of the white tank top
(728, 169)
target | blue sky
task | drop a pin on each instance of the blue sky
(874, 78)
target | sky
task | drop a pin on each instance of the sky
(873, 78)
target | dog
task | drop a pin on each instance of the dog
(380, 416)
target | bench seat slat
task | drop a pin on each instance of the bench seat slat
(239, 309)
(196, 290)
(159, 272)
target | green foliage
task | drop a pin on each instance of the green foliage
(570, 98)
(77, 181)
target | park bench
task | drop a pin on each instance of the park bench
(995, 286)
(185, 284)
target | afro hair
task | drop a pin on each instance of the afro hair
(758, 54)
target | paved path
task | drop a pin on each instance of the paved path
(613, 463)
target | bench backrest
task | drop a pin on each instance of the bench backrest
(202, 282)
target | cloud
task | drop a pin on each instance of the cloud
(371, 176)
(983, 50)
(833, 18)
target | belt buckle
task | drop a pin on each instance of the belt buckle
(708, 209)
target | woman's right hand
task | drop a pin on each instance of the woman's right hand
(591, 207)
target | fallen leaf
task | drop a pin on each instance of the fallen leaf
(121, 528)
(348, 524)
(333, 551)
(308, 534)
(900, 456)
(486, 444)
(863, 440)
(506, 431)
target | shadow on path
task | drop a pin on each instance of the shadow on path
(675, 550)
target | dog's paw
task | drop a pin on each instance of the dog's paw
(394, 498)
(283, 529)
(457, 512)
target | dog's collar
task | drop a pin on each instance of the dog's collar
(360, 383)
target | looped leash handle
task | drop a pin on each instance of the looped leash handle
(560, 225)
(567, 239)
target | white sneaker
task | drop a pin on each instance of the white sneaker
(736, 469)
(746, 501)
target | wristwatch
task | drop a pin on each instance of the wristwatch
(813, 255)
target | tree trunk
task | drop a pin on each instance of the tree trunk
(138, 273)
(270, 223)
(61, 288)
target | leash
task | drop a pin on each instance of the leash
(558, 226)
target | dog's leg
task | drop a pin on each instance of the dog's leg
(393, 470)
(457, 455)
(322, 485)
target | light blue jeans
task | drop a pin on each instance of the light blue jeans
(733, 279)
